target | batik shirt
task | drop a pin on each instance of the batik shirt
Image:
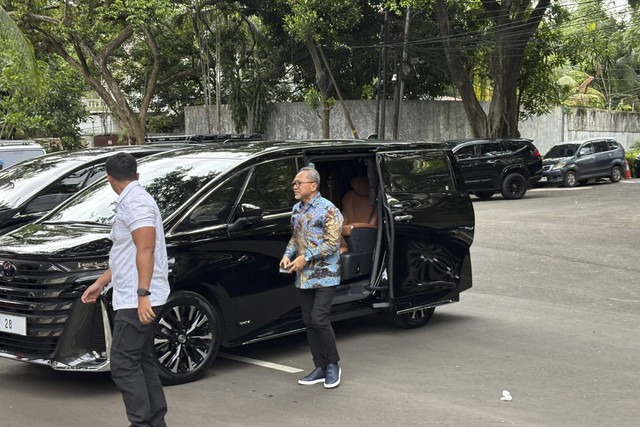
(317, 227)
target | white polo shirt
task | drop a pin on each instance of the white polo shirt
(135, 208)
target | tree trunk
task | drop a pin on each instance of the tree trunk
(515, 27)
(324, 95)
(462, 81)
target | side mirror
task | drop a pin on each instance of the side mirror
(247, 215)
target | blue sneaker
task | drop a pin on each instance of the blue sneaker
(332, 379)
(315, 377)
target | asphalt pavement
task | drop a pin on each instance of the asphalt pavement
(553, 318)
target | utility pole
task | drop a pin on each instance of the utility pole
(385, 67)
(399, 94)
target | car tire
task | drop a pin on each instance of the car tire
(187, 338)
(412, 320)
(514, 186)
(484, 195)
(616, 174)
(570, 179)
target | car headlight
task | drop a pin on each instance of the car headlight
(76, 266)
(559, 165)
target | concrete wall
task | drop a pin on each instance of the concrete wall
(424, 120)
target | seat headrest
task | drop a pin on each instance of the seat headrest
(360, 185)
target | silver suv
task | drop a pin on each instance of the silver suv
(15, 151)
(575, 162)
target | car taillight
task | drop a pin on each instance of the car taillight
(536, 153)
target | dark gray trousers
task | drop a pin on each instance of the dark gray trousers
(134, 371)
(316, 307)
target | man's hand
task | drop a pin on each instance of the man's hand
(285, 262)
(297, 264)
(92, 293)
(145, 312)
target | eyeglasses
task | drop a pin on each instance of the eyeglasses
(299, 183)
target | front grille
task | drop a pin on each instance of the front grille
(41, 293)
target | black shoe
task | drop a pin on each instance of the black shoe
(315, 377)
(332, 379)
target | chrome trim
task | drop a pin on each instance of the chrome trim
(108, 338)
(268, 337)
(421, 307)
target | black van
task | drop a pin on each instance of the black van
(226, 213)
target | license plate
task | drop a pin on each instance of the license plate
(543, 179)
(13, 324)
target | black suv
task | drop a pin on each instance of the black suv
(226, 211)
(507, 165)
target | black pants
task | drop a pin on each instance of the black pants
(134, 372)
(316, 306)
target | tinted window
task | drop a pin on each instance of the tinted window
(490, 149)
(270, 186)
(601, 146)
(467, 152)
(612, 145)
(562, 150)
(513, 146)
(216, 207)
(171, 179)
(419, 172)
(98, 172)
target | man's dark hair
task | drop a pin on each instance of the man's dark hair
(122, 167)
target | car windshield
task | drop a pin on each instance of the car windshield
(171, 180)
(19, 182)
(562, 150)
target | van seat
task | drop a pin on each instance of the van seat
(359, 230)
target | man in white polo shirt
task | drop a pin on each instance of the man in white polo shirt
(138, 271)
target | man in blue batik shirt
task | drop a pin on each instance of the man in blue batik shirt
(317, 226)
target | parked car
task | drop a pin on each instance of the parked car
(15, 151)
(575, 162)
(226, 211)
(32, 188)
(636, 165)
(508, 165)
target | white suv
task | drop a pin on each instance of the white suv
(14, 151)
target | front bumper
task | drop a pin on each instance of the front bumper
(552, 176)
(87, 361)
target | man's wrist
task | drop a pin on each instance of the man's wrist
(142, 292)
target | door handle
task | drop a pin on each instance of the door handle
(403, 218)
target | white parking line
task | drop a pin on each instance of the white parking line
(262, 363)
(561, 188)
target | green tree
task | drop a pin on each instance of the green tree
(52, 109)
(93, 36)
(315, 22)
(506, 29)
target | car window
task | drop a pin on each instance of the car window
(586, 149)
(58, 192)
(490, 149)
(98, 172)
(612, 145)
(467, 152)
(216, 207)
(170, 178)
(513, 146)
(419, 172)
(601, 146)
(270, 186)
